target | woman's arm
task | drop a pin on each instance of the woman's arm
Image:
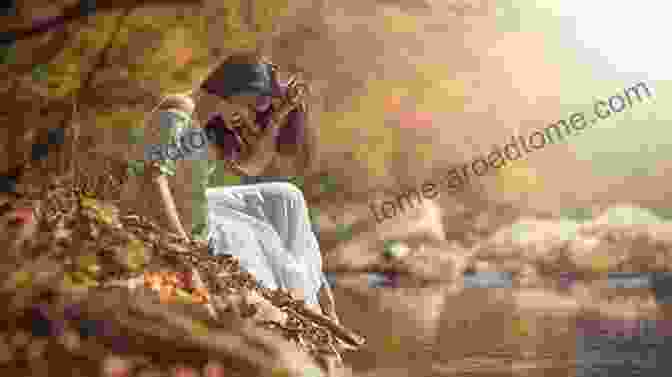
(159, 185)
(326, 300)
(169, 119)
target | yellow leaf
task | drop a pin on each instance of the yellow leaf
(136, 246)
(82, 278)
(94, 268)
(87, 202)
(136, 255)
(84, 261)
(124, 119)
(397, 21)
(517, 177)
(106, 215)
(199, 328)
(393, 343)
(600, 263)
(281, 372)
(181, 293)
(70, 283)
(21, 279)
(520, 327)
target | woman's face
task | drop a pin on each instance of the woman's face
(240, 106)
(243, 105)
(209, 105)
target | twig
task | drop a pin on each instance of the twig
(198, 284)
(338, 329)
(130, 284)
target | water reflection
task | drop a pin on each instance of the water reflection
(623, 347)
(488, 279)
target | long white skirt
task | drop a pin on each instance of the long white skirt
(267, 226)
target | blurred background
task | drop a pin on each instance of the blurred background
(404, 90)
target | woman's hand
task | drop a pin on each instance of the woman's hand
(258, 148)
(326, 301)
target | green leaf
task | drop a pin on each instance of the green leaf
(664, 213)
(39, 73)
(344, 232)
(327, 185)
(198, 230)
(298, 181)
(7, 54)
(167, 135)
(168, 167)
(230, 179)
(313, 213)
(394, 249)
(136, 135)
(313, 372)
(211, 170)
(576, 214)
(390, 244)
(136, 168)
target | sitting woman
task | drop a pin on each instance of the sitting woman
(248, 116)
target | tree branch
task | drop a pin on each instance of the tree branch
(68, 157)
(43, 55)
(73, 13)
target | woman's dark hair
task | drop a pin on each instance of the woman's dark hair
(245, 73)
(251, 73)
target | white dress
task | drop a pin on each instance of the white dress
(265, 225)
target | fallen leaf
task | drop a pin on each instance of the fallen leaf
(520, 327)
(281, 372)
(20, 279)
(84, 262)
(392, 343)
(199, 328)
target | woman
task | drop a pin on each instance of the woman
(248, 117)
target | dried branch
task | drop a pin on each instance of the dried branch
(104, 98)
(43, 55)
(86, 86)
(74, 13)
(338, 329)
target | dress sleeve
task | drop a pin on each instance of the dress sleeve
(172, 124)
